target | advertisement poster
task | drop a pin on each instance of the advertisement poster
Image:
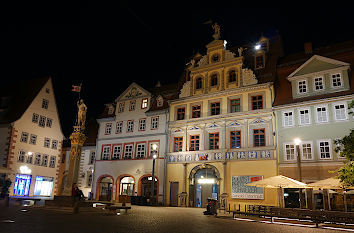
(239, 189)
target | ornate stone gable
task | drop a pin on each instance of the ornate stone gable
(133, 91)
(248, 77)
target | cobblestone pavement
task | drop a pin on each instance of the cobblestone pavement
(138, 219)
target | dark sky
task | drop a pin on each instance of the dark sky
(106, 47)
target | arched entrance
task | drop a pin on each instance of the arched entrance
(145, 187)
(204, 183)
(105, 188)
(126, 186)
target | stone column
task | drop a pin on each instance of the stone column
(183, 195)
(77, 139)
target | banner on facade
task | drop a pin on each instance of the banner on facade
(239, 190)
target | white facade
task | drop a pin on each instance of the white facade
(124, 144)
(34, 143)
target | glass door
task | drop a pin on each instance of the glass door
(22, 185)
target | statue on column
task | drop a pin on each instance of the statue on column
(216, 28)
(81, 114)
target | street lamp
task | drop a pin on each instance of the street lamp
(154, 156)
(297, 143)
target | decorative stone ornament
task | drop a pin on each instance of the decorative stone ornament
(248, 77)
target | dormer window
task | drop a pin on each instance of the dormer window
(144, 103)
(159, 101)
(110, 110)
(259, 61)
(232, 76)
(318, 84)
(199, 83)
(132, 105)
(337, 80)
(214, 80)
(302, 86)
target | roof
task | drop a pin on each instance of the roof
(168, 92)
(16, 97)
(343, 52)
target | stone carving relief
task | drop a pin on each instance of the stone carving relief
(186, 90)
(248, 77)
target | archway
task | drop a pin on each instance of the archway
(145, 187)
(204, 183)
(104, 188)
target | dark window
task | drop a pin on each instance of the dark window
(196, 111)
(214, 80)
(180, 113)
(257, 102)
(194, 143)
(259, 137)
(178, 142)
(215, 108)
(235, 105)
(260, 61)
(235, 139)
(232, 76)
(214, 141)
(198, 83)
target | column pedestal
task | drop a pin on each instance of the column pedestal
(183, 199)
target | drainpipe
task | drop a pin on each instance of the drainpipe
(275, 129)
(167, 149)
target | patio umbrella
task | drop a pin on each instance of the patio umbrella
(4, 170)
(278, 182)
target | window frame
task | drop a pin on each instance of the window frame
(179, 113)
(144, 103)
(108, 153)
(340, 78)
(298, 86)
(335, 111)
(42, 119)
(132, 126)
(235, 105)
(309, 116)
(314, 83)
(24, 137)
(45, 103)
(229, 76)
(108, 129)
(286, 152)
(46, 140)
(319, 149)
(140, 124)
(121, 107)
(35, 118)
(217, 107)
(32, 142)
(52, 161)
(155, 125)
(21, 156)
(256, 66)
(216, 141)
(214, 83)
(119, 125)
(301, 146)
(125, 151)
(54, 144)
(257, 101)
(137, 151)
(113, 156)
(132, 105)
(199, 83)
(259, 140)
(317, 113)
(179, 145)
(195, 141)
(287, 117)
(235, 140)
(196, 110)
(44, 162)
(49, 123)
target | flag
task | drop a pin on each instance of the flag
(76, 88)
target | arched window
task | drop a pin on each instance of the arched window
(127, 186)
(232, 76)
(214, 80)
(198, 83)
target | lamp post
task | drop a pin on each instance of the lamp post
(154, 156)
(297, 143)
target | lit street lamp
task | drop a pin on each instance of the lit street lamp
(154, 156)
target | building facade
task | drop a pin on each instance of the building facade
(221, 130)
(311, 104)
(31, 137)
(127, 130)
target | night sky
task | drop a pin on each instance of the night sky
(106, 47)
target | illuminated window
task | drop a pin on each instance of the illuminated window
(22, 185)
(43, 186)
(144, 103)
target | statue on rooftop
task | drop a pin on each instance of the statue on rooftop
(216, 28)
(81, 114)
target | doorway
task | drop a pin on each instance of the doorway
(106, 189)
(174, 193)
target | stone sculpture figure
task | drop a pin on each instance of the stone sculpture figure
(216, 28)
(81, 114)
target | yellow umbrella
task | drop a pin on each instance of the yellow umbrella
(278, 182)
(330, 183)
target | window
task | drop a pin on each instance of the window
(121, 107)
(215, 108)
(45, 103)
(257, 102)
(302, 86)
(213, 141)
(46, 142)
(340, 112)
(154, 122)
(259, 64)
(132, 105)
(318, 84)
(232, 76)
(21, 156)
(288, 119)
(325, 150)
(214, 80)
(44, 161)
(194, 144)
(199, 83)
(196, 111)
(119, 126)
(140, 151)
(29, 158)
(37, 160)
(144, 103)
(49, 122)
(89, 179)
(42, 121)
(177, 144)
(33, 139)
(142, 124)
(54, 144)
(92, 157)
(43, 186)
(24, 137)
(321, 114)
(306, 151)
(128, 151)
(235, 139)
(259, 137)
(108, 128)
(106, 152)
(304, 117)
(289, 152)
(117, 151)
(180, 113)
(35, 118)
(52, 161)
(235, 105)
(130, 126)
(337, 80)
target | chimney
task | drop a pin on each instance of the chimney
(308, 47)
